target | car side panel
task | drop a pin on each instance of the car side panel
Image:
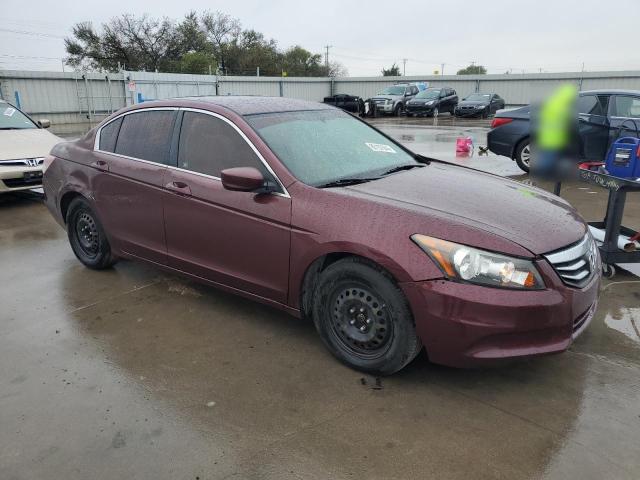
(129, 197)
(503, 140)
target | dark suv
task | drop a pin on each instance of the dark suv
(432, 101)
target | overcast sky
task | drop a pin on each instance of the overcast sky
(547, 35)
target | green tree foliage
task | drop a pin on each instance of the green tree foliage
(196, 44)
(392, 71)
(473, 70)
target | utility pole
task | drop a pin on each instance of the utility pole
(404, 67)
(326, 57)
(442, 68)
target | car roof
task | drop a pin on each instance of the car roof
(611, 91)
(254, 105)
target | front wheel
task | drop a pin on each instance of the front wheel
(523, 155)
(363, 317)
(398, 110)
(436, 112)
(86, 236)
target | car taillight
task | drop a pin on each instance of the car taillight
(498, 121)
(48, 160)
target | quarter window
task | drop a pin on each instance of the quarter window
(592, 105)
(109, 135)
(209, 145)
(628, 107)
(146, 135)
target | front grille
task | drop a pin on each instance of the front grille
(576, 264)
(23, 162)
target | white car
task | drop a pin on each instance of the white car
(23, 145)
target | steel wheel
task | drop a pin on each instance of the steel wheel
(525, 155)
(435, 112)
(87, 234)
(361, 322)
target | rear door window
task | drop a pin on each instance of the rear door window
(625, 106)
(209, 145)
(109, 135)
(146, 135)
(592, 105)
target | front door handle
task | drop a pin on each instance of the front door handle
(180, 188)
(101, 165)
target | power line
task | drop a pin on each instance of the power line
(35, 34)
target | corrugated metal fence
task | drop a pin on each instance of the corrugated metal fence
(76, 101)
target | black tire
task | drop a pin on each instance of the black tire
(363, 317)
(522, 149)
(86, 236)
(398, 110)
(435, 112)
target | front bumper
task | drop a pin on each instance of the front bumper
(16, 178)
(459, 112)
(419, 109)
(464, 325)
(384, 107)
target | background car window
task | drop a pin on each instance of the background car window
(109, 135)
(628, 107)
(146, 135)
(209, 145)
(13, 119)
(591, 105)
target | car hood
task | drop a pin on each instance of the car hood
(420, 101)
(388, 97)
(26, 143)
(530, 217)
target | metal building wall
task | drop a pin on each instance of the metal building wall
(76, 99)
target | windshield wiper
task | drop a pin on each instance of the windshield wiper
(403, 167)
(344, 182)
(11, 128)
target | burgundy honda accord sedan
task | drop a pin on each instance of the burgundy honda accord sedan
(306, 208)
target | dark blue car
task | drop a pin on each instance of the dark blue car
(603, 116)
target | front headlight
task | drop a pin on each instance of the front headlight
(473, 265)
(430, 102)
(387, 101)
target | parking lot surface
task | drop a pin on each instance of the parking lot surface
(134, 373)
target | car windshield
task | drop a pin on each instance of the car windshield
(13, 119)
(479, 97)
(395, 90)
(321, 147)
(428, 94)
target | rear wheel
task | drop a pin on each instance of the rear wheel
(86, 236)
(523, 155)
(363, 317)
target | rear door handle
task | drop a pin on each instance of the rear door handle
(180, 188)
(101, 165)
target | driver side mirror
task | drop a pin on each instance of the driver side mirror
(44, 123)
(243, 179)
(407, 94)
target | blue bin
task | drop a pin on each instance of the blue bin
(623, 158)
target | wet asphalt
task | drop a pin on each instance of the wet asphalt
(133, 373)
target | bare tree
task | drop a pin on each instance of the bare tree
(337, 69)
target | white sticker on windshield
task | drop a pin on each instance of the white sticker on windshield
(380, 147)
(9, 112)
